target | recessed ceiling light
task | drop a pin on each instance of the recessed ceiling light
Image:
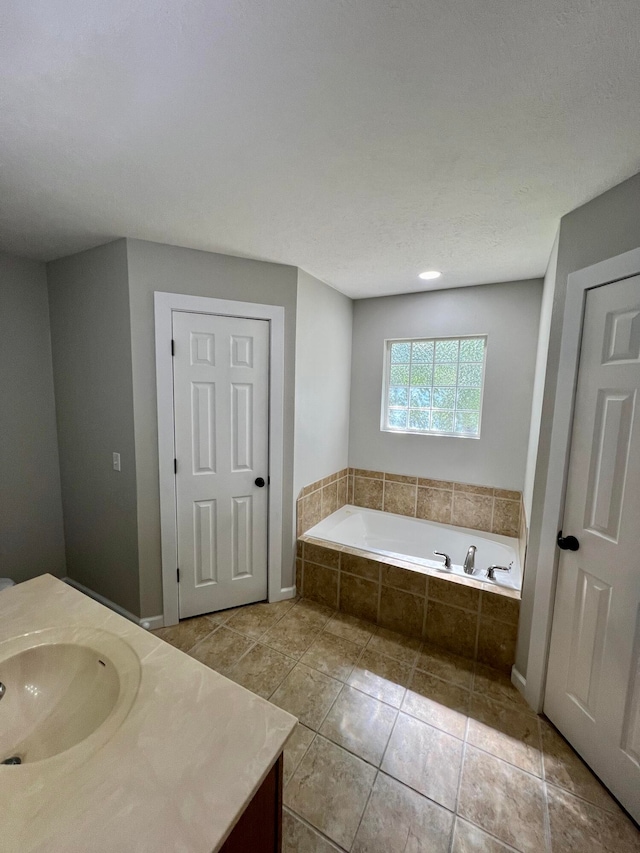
(429, 274)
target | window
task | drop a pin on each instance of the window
(434, 386)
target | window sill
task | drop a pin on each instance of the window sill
(428, 434)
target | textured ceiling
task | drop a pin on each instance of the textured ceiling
(362, 140)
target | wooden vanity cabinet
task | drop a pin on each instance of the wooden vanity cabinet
(259, 829)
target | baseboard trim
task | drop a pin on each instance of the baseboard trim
(518, 680)
(284, 594)
(150, 623)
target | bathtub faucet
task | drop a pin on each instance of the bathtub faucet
(469, 560)
(447, 559)
(493, 569)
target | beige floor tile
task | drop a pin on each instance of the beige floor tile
(505, 733)
(497, 686)
(565, 769)
(502, 800)
(293, 634)
(581, 826)
(332, 655)
(438, 703)
(297, 837)
(261, 670)
(381, 677)
(399, 819)
(468, 838)
(450, 667)
(360, 724)
(222, 649)
(350, 628)
(187, 633)
(425, 758)
(397, 646)
(298, 743)
(255, 619)
(307, 694)
(330, 789)
(222, 616)
(313, 612)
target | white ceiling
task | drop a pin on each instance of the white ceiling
(362, 140)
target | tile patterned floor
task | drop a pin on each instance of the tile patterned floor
(403, 748)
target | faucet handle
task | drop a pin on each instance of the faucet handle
(447, 558)
(493, 569)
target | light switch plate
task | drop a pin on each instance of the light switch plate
(116, 462)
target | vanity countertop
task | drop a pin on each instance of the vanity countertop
(177, 774)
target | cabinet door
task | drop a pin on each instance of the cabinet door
(259, 829)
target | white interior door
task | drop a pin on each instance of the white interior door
(593, 683)
(221, 416)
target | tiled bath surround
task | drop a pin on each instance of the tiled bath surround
(462, 617)
(460, 504)
(318, 500)
(478, 507)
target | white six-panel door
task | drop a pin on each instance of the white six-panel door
(221, 410)
(593, 684)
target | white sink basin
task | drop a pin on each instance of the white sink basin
(63, 688)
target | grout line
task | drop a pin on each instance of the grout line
(407, 688)
(314, 829)
(366, 805)
(462, 760)
(546, 816)
(489, 834)
(299, 762)
(476, 642)
(426, 611)
(197, 643)
(545, 792)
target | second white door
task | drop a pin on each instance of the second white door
(221, 417)
(593, 684)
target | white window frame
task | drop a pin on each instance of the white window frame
(384, 425)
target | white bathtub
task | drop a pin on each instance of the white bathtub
(415, 540)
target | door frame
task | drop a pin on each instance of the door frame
(578, 284)
(164, 305)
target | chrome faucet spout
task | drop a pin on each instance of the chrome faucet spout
(470, 560)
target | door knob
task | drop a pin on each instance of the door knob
(259, 482)
(567, 543)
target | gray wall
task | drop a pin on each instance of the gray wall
(153, 266)
(603, 228)
(323, 381)
(31, 533)
(546, 310)
(91, 341)
(509, 314)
